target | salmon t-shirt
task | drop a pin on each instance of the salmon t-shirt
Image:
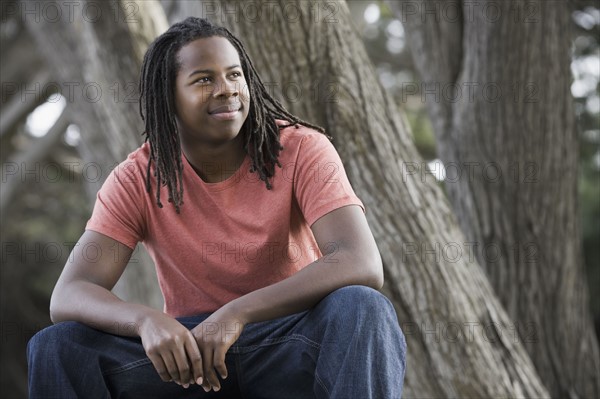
(231, 237)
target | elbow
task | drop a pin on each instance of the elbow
(57, 305)
(377, 277)
(378, 283)
(54, 318)
(372, 271)
(55, 309)
(58, 312)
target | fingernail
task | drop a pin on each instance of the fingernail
(199, 380)
(206, 389)
(186, 385)
(216, 388)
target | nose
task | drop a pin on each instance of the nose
(226, 88)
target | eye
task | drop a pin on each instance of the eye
(237, 74)
(202, 80)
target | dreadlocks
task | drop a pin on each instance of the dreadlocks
(260, 133)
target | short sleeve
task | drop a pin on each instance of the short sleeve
(320, 182)
(118, 211)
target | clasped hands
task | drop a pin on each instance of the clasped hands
(191, 356)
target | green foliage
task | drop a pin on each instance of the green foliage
(44, 218)
(422, 131)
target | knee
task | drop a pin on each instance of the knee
(363, 302)
(57, 337)
(362, 310)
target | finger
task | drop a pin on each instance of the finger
(172, 368)
(183, 365)
(219, 361)
(210, 377)
(160, 367)
(195, 359)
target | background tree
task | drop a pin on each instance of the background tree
(101, 52)
(92, 55)
(319, 69)
(445, 304)
(497, 77)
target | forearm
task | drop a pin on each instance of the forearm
(306, 288)
(97, 307)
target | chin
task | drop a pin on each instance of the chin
(238, 126)
(228, 133)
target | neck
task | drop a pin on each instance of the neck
(215, 163)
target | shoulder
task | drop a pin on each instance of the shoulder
(139, 156)
(132, 170)
(296, 138)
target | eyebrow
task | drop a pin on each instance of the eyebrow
(210, 70)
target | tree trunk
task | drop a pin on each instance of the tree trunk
(461, 342)
(98, 53)
(497, 83)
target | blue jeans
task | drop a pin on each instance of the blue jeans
(349, 345)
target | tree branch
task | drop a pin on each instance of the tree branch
(12, 178)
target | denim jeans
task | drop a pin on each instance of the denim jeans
(349, 345)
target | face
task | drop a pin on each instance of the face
(211, 95)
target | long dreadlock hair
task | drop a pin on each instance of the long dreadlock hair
(260, 132)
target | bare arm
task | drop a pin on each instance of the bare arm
(83, 294)
(350, 257)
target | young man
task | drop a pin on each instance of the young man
(266, 262)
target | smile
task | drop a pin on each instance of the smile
(223, 116)
(226, 112)
(226, 108)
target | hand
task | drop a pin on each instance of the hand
(214, 337)
(172, 349)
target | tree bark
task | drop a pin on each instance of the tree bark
(497, 82)
(98, 54)
(460, 340)
(39, 149)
